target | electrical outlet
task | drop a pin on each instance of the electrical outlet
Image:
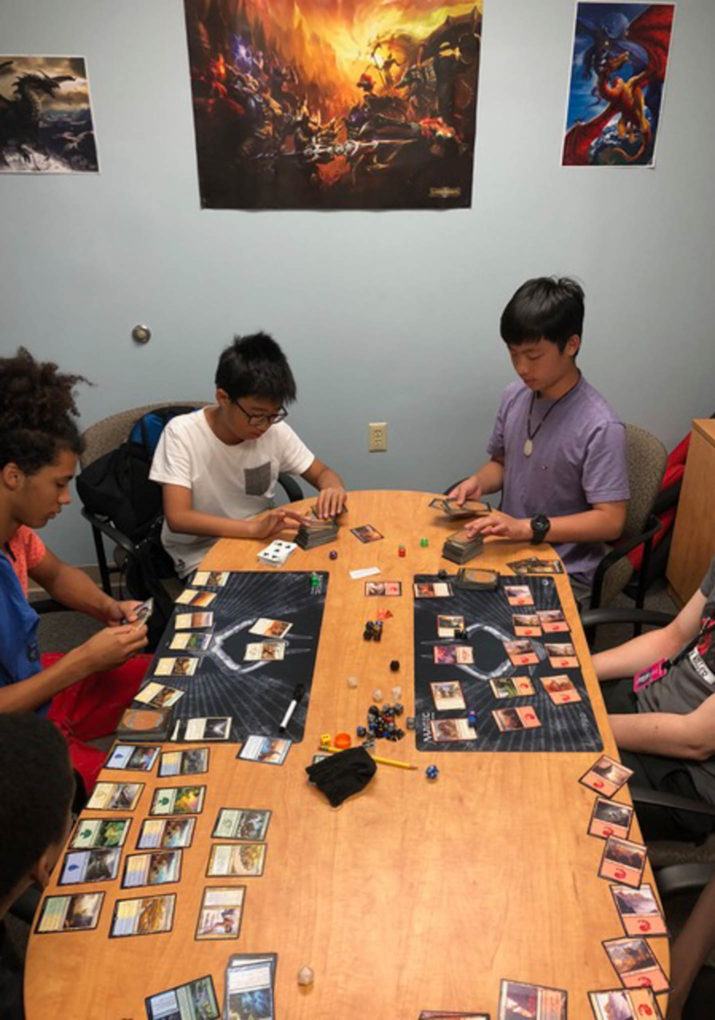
(377, 437)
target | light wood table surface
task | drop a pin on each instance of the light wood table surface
(411, 895)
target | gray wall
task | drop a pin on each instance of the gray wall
(388, 316)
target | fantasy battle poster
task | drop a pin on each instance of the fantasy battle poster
(334, 104)
(620, 57)
(45, 116)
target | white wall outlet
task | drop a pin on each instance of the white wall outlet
(377, 437)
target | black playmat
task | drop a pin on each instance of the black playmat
(488, 621)
(255, 694)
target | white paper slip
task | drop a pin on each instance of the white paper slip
(365, 572)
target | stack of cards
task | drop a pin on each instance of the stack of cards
(461, 547)
(317, 531)
(145, 724)
(249, 986)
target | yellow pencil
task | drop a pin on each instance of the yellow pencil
(382, 761)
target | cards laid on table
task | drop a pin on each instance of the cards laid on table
(552, 621)
(249, 986)
(512, 687)
(560, 689)
(635, 963)
(526, 625)
(521, 652)
(165, 833)
(148, 915)
(184, 763)
(115, 796)
(453, 655)
(236, 860)
(623, 861)
(517, 1000)
(386, 588)
(265, 651)
(131, 758)
(606, 776)
(625, 1003)
(448, 626)
(509, 720)
(445, 730)
(216, 727)
(184, 642)
(220, 912)
(193, 1001)
(241, 823)
(96, 832)
(196, 599)
(639, 911)
(448, 695)
(275, 629)
(561, 655)
(610, 819)
(182, 665)
(99, 865)
(70, 913)
(366, 533)
(193, 621)
(157, 868)
(210, 578)
(158, 695)
(433, 590)
(178, 800)
(440, 1014)
(518, 595)
(267, 750)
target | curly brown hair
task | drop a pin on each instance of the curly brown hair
(37, 412)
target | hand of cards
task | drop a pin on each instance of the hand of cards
(533, 565)
(470, 508)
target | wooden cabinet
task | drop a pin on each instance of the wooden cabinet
(694, 534)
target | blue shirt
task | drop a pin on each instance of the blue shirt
(19, 651)
(578, 459)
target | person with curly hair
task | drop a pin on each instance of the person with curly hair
(84, 691)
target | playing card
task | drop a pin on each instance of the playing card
(178, 800)
(158, 695)
(444, 730)
(562, 655)
(448, 695)
(453, 655)
(366, 533)
(115, 796)
(521, 652)
(267, 750)
(383, 588)
(193, 1001)
(193, 621)
(70, 913)
(623, 861)
(560, 689)
(274, 629)
(203, 728)
(518, 1000)
(182, 665)
(511, 687)
(99, 832)
(552, 620)
(635, 963)
(166, 833)
(518, 595)
(526, 625)
(236, 860)
(132, 758)
(190, 642)
(432, 590)
(148, 915)
(99, 865)
(625, 1004)
(606, 776)
(610, 819)
(197, 599)
(265, 651)
(447, 625)
(210, 578)
(512, 719)
(241, 823)
(639, 911)
(157, 868)
(220, 912)
(180, 763)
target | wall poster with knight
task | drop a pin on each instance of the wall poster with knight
(46, 116)
(618, 71)
(356, 104)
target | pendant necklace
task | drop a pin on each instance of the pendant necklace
(530, 436)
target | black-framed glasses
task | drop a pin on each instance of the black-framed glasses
(260, 419)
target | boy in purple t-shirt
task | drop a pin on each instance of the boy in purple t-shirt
(558, 450)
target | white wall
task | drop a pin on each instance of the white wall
(388, 316)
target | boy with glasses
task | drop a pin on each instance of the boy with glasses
(218, 466)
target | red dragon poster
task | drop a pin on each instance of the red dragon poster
(346, 104)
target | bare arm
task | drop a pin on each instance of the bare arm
(691, 948)
(489, 478)
(332, 496)
(690, 736)
(183, 519)
(643, 651)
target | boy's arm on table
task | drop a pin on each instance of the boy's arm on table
(331, 491)
(183, 519)
(76, 590)
(690, 736)
(105, 650)
(602, 523)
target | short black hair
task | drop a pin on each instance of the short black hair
(37, 412)
(547, 307)
(255, 366)
(36, 791)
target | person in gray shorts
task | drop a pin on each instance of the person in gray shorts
(663, 713)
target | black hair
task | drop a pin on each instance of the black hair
(255, 366)
(36, 791)
(37, 412)
(546, 307)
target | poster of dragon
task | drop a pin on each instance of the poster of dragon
(348, 104)
(618, 70)
(45, 116)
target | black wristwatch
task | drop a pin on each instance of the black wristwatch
(539, 528)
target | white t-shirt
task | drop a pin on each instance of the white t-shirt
(229, 481)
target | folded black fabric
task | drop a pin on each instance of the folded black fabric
(342, 774)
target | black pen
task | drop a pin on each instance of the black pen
(297, 695)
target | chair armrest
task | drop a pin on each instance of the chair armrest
(628, 614)
(103, 524)
(618, 552)
(292, 489)
(642, 795)
(688, 877)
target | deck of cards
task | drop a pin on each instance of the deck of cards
(461, 547)
(317, 531)
(275, 554)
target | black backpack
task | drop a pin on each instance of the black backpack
(117, 485)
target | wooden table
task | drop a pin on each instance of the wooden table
(412, 895)
(694, 532)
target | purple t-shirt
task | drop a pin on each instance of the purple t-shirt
(578, 459)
